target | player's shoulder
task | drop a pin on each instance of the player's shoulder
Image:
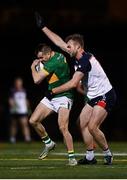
(87, 55)
(23, 90)
(13, 90)
(58, 59)
(59, 55)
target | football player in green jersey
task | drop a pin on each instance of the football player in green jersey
(56, 70)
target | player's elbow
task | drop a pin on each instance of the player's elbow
(36, 81)
(60, 44)
(74, 84)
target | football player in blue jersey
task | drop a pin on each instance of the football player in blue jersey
(100, 92)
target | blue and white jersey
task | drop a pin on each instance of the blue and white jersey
(95, 79)
(20, 101)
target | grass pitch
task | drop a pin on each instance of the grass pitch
(20, 161)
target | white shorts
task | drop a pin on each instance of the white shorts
(57, 103)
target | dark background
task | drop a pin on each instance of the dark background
(104, 26)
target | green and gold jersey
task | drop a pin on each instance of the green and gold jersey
(58, 73)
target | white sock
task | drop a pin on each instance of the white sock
(46, 139)
(12, 139)
(27, 138)
(49, 144)
(107, 153)
(89, 155)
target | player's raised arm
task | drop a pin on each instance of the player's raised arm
(57, 40)
(73, 83)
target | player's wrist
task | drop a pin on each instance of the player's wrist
(52, 91)
(43, 27)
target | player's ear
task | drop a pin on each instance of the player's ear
(79, 46)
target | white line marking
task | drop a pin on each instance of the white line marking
(34, 167)
(95, 167)
(17, 159)
(61, 159)
(96, 154)
(54, 159)
(31, 159)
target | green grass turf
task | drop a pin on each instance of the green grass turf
(20, 161)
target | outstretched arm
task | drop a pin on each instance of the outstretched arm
(73, 83)
(57, 40)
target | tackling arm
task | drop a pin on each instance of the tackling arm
(37, 76)
(80, 88)
(73, 83)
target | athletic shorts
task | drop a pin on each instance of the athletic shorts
(57, 103)
(107, 101)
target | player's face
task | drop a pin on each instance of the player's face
(18, 83)
(73, 48)
(43, 57)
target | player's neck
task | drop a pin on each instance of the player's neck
(18, 88)
(79, 54)
(52, 54)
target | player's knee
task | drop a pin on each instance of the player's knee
(63, 129)
(82, 126)
(24, 124)
(33, 121)
(92, 128)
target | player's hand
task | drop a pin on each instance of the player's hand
(35, 63)
(49, 95)
(39, 20)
